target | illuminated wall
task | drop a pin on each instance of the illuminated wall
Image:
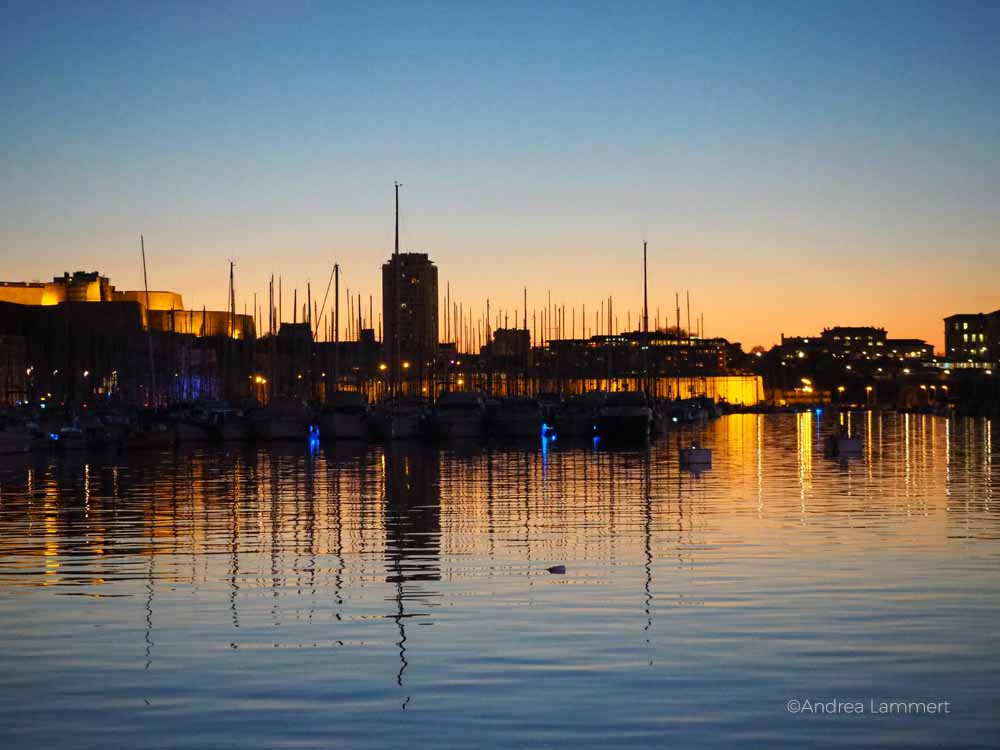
(202, 323)
(21, 293)
(157, 300)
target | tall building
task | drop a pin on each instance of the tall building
(972, 338)
(416, 288)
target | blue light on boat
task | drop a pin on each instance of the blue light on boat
(54, 435)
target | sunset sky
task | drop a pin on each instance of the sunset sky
(792, 165)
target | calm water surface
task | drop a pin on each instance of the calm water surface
(368, 596)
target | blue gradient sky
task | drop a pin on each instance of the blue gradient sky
(793, 165)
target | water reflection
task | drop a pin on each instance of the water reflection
(412, 504)
(418, 575)
(413, 528)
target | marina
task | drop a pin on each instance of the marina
(571, 376)
(460, 415)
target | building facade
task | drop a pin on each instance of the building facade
(854, 343)
(411, 329)
(161, 311)
(972, 338)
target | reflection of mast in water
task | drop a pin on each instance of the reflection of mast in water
(399, 618)
(234, 549)
(149, 589)
(276, 471)
(413, 531)
(149, 612)
(694, 476)
(489, 506)
(310, 519)
(648, 543)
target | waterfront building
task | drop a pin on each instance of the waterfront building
(915, 349)
(972, 339)
(854, 343)
(635, 352)
(161, 311)
(81, 338)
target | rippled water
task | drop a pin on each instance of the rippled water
(369, 596)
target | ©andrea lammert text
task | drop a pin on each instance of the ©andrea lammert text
(839, 707)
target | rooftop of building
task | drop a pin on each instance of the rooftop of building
(958, 316)
(411, 257)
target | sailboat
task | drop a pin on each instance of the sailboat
(625, 416)
(628, 415)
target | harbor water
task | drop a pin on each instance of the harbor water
(374, 596)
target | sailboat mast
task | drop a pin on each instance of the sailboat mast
(336, 326)
(645, 293)
(149, 330)
(645, 322)
(688, 293)
(395, 293)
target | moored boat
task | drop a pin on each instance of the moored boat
(577, 417)
(625, 416)
(156, 435)
(68, 438)
(458, 415)
(514, 417)
(399, 418)
(345, 417)
(284, 418)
